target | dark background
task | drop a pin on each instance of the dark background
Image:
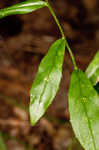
(24, 40)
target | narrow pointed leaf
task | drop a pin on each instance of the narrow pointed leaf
(93, 70)
(47, 81)
(22, 8)
(84, 110)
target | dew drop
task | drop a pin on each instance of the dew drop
(84, 99)
(46, 79)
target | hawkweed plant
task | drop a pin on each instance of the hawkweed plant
(83, 99)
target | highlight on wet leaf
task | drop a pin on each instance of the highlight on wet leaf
(93, 70)
(84, 110)
(22, 8)
(47, 81)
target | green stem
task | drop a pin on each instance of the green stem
(55, 18)
(79, 146)
(72, 56)
(62, 33)
(2, 143)
(72, 144)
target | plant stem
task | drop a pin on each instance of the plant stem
(55, 18)
(62, 33)
(79, 146)
(2, 144)
(72, 144)
(72, 56)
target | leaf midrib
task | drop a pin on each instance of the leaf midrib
(88, 119)
(50, 70)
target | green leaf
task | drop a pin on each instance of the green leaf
(2, 144)
(47, 81)
(84, 110)
(22, 8)
(93, 70)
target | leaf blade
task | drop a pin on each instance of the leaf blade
(84, 110)
(93, 70)
(22, 8)
(47, 81)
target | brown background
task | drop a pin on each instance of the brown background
(24, 40)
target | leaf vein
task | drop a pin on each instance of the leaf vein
(89, 124)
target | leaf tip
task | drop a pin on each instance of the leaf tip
(32, 122)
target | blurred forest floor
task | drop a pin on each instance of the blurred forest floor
(24, 40)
